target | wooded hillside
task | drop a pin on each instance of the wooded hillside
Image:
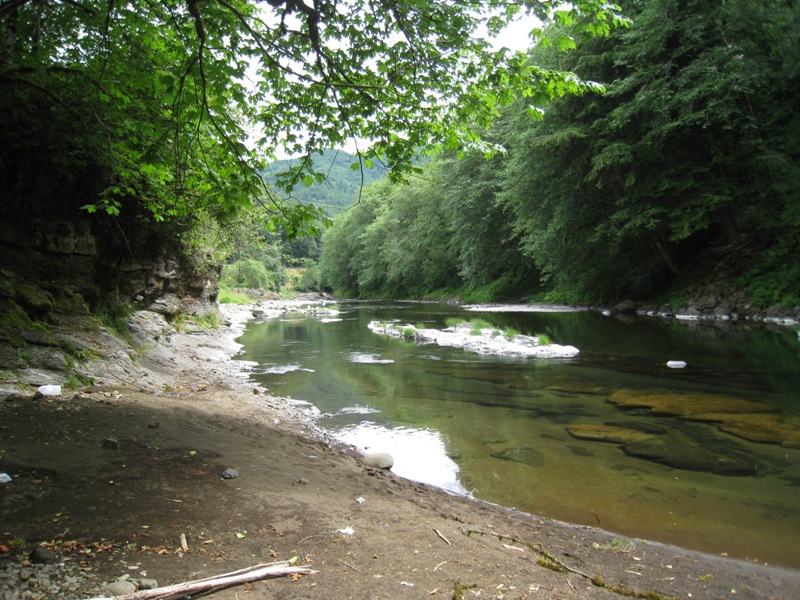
(344, 179)
(685, 170)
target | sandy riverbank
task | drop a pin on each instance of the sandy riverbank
(367, 533)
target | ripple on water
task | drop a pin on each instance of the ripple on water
(357, 410)
(371, 359)
(280, 369)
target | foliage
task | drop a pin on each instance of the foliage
(253, 274)
(454, 321)
(483, 235)
(305, 278)
(114, 314)
(229, 296)
(208, 320)
(394, 243)
(478, 325)
(170, 110)
(668, 174)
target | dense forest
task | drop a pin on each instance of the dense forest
(135, 137)
(685, 169)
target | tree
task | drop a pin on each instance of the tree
(171, 92)
(686, 167)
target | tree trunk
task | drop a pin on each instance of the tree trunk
(662, 250)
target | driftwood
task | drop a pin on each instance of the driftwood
(218, 582)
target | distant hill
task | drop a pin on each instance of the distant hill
(340, 189)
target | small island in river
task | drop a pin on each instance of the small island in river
(476, 338)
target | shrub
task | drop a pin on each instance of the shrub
(510, 333)
(229, 296)
(409, 333)
(253, 274)
(454, 321)
(478, 325)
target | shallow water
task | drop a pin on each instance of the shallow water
(496, 428)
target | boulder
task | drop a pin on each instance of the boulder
(685, 404)
(675, 453)
(608, 433)
(120, 587)
(379, 460)
(626, 306)
(42, 556)
(521, 454)
(758, 427)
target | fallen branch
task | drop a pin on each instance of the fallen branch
(444, 539)
(216, 583)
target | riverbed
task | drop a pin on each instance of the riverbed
(502, 428)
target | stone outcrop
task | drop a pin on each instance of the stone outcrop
(67, 266)
(686, 404)
(486, 341)
(677, 448)
(711, 302)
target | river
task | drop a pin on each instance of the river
(499, 428)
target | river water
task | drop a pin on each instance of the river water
(497, 428)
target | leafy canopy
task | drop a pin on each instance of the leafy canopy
(174, 90)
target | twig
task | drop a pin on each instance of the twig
(346, 564)
(444, 539)
(305, 539)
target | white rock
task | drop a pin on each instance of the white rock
(346, 530)
(490, 341)
(379, 460)
(676, 364)
(49, 390)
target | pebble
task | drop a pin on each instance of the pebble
(24, 580)
(230, 474)
(42, 555)
(120, 587)
(111, 443)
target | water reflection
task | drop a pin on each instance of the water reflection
(420, 454)
(505, 429)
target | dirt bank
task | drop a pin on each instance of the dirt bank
(123, 470)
